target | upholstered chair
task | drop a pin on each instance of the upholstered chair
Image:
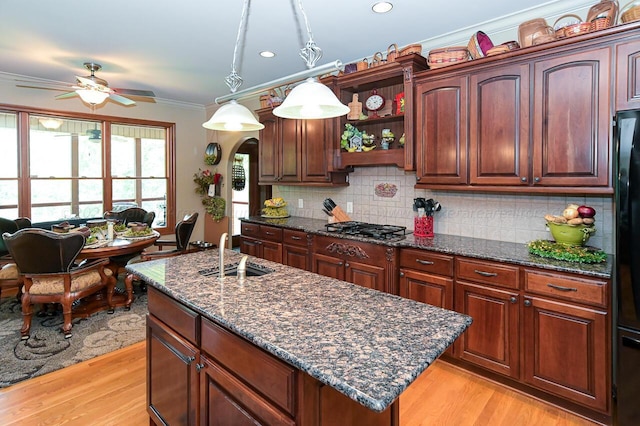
(9, 272)
(183, 232)
(132, 214)
(46, 262)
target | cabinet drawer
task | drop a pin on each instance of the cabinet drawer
(182, 319)
(427, 262)
(298, 238)
(488, 273)
(271, 233)
(270, 377)
(250, 229)
(561, 286)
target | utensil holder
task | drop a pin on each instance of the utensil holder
(423, 226)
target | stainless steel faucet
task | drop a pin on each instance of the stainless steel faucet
(242, 268)
(223, 242)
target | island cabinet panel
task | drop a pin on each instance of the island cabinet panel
(571, 119)
(441, 131)
(493, 339)
(499, 126)
(628, 75)
(172, 376)
(366, 264)
(566, 351)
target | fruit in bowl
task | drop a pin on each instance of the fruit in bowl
(574, 227)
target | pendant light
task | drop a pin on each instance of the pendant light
(310, 99)
(233, 116)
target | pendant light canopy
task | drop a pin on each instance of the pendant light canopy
(233, 117)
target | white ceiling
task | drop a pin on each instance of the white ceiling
(183, 50)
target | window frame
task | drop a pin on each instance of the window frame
(24, 176)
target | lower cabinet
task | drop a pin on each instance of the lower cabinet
(199, 373)
(261, 241)
(295, 249)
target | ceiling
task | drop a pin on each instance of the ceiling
(182, 51)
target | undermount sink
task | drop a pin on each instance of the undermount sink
(232, 271)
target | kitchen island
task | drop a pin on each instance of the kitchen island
(288, 347)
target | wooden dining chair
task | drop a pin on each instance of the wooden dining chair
(46, 262)
(132, 214)
(9, 272)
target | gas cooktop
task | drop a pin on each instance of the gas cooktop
(378, 232)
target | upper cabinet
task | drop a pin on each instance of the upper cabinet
(628, 75)
(388, 81)
(296, 152)
(538, 122)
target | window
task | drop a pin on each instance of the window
(58, 168)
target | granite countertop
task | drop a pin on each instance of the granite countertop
(366, 344)
(498, 251)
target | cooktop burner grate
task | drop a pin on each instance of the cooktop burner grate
(380, 232)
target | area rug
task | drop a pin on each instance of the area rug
(47, 350)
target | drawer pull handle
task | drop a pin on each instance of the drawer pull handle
(527, 303)
(630, 342)
(199, 367)
(561, 288)
(485, 274)
(513, 299)
(269, 233)
(293, 237)
(424, 262)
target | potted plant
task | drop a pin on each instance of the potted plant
(214, 205)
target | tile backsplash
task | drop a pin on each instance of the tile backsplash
(504, 217)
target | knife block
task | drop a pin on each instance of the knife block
(423, 226)
(340, 215)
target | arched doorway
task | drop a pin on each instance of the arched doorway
(248, 200)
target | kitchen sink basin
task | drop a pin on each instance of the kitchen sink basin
(232, 271)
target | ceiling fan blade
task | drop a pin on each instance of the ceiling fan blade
(42, 88)
(132, 92)
(67, 95)
(121, 99)
(90, 83)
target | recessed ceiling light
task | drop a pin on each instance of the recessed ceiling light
(267, 54)
(382, 7)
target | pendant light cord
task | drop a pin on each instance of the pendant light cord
(233, 80)
(311, 53)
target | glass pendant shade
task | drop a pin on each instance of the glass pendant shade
(311, 100)
(93, 97)
(233, 117)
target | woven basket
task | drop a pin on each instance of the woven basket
(631, 12)
(446, 56)
(479, 45)
(377, 59)
(530, 29)
(412, 48)
(392, 54)
(362, 65)
(574, 27)
(603, 15)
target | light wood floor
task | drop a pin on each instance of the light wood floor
(110, 390)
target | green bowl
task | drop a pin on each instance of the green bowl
(571, 235)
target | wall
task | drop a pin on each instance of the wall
(515, 218)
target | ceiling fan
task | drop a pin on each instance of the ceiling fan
(94, 90)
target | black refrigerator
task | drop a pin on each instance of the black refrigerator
(626, 294)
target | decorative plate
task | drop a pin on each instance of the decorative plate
(387, 190)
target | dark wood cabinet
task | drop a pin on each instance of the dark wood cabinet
(628, 75)
(261, 241)
(499, 126)
(295, 249)
(441, 131)
(296, 152)
(572, 119)
(368, 265)
(426, 277)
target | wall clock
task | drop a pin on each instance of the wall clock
(212, 154)
(374, 103)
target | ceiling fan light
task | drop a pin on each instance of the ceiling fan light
(311, 100)
(50, 123)
(93, 97)
(233, 117)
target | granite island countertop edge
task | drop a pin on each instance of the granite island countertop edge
(390, 361)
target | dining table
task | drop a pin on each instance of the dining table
(120, 245)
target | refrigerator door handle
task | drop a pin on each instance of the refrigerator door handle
(630, 342)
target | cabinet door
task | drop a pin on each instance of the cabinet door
(567, 350)
(499, 126)
(250, 246)
(315, 150)
(426, 288)
(571, 121)
(298, 257)
(328, 266)
(172, 379)
(369, 276)
(271, 251)
(441, 131)
(225, 400)
(492, 339)
(628, 75)
(289, 151)
(268, 149)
